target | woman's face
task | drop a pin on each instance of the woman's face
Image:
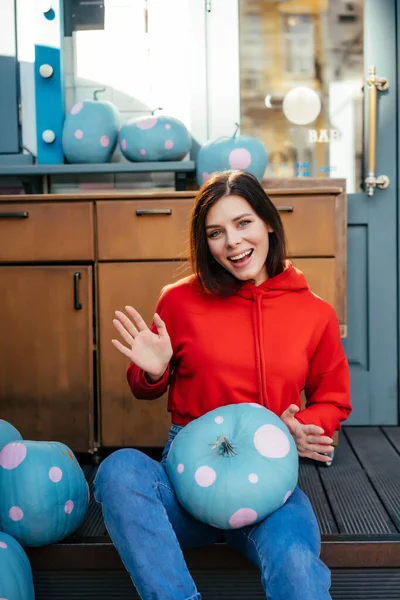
(238, 238)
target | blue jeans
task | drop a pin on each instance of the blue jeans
(149, 529)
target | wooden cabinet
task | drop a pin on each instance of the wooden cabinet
(46, 231)
(148, 229)
(46, 354)
(124, 420)
(60, 376)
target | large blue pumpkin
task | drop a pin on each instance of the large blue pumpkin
(225, 153)
(90, 132)
(44, 494)
(234, 465)
(154, 138)
(8, 433)
(15, 571)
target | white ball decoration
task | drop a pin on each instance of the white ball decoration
(301, 105)
(48, 136)
(46, 71)
(44, 6)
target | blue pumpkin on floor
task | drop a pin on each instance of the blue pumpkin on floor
(8, 433)
(233, 466)
(15, 571)
(240, 152)
(44, 494)
(154, 138)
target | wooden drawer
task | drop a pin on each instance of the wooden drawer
(143, 229)
(309, 223)
(320, 274)
(46, 231)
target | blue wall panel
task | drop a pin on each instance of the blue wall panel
(49, 105)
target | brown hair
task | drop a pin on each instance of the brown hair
(212, 276)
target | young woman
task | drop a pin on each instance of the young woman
(244, 328)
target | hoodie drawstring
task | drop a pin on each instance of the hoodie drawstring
(258, 335)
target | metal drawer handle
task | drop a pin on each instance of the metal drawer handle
(285, 208)
(153, 211)
(14, 215)
(77, 304)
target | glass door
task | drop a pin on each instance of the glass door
(315, 80)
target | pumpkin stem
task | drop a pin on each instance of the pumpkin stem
(154, 109)
(98, 92)
(223, 446)
(236, 130)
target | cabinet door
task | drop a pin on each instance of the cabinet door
(46, 352)
(126, 421)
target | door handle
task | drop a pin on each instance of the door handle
(375, 84)
(14, 215)
(77, 304)
(153, 211)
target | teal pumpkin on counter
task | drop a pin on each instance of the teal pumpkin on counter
(234, 465)
(15, 571)
(90, 131)
(154, 138)
(8, 433)
(44, 494)
(239, 152)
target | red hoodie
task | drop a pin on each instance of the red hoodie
(265, 344)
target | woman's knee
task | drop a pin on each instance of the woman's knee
(116, 467)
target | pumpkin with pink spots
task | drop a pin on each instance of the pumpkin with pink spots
(90, 132)
(233, 466)
(15, 571)
(44, 493)
(239, 152)
(154, 138)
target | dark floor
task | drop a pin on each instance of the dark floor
(357, 503)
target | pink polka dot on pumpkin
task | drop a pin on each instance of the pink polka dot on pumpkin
(147, 123)
(243, 517)
(180, 468)
(12, 455)
(169, 144)
(271, 442)
(205, 476)
(123, 144)
(167, 126)
(55, 474)
(3, 545)
(104, 141)
(15, 513)
(142, 151)
(78, 134)
(240, 158)
(68, 507)
(76, 108)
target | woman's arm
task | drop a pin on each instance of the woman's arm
(327, 387)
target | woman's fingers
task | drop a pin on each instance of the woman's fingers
(137, 318)
(316, 456)
(290, 411)
(319, 439)
(122, 348)
(312, 430)
(159, 323)
(319, 448)
(127, 323)
(123, 332)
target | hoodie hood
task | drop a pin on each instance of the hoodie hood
(290, 280)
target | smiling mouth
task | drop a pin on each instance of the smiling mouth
(240, 258)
